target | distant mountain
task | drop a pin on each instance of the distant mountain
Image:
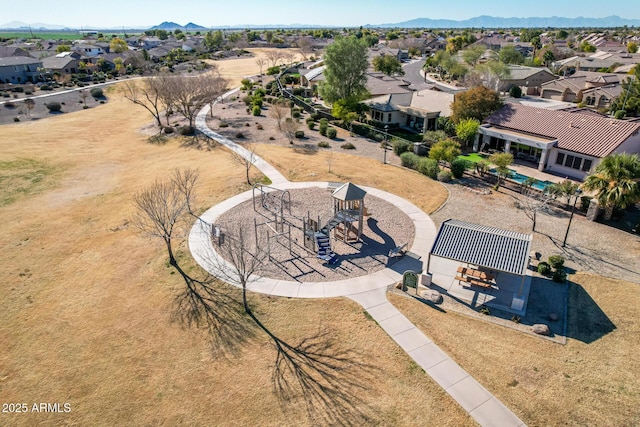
(497, 22)
(172, 26)
(23, 26)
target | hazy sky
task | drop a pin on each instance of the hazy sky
(134, 13)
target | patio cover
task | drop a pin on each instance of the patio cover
(480, 245)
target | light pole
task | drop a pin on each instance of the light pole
(573, 210)
(386, 136)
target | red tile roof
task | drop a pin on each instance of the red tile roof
(578, 132)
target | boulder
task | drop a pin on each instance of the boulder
(432, 296)
(541, 329)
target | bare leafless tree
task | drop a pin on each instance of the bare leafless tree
(273, 56)
(289, 128)
(305, 45)
(534, 202)
(289, 57)
(84, 94)
(146, 94)
(279, 111)
(245, 159)
(190, 94)
(29, 104)
(261, 61)
(330, 160)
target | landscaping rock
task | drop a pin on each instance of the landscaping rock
(432, 296)
(541, 329)
(553, 317)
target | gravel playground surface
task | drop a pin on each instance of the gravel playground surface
(385, 228)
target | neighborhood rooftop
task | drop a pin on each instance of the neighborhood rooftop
(584, 133)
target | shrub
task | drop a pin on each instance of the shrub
(239, 135)
(84, 107)
(223, 125)
(515, 92)
(46, 87)
(331, 133)
(299, 134)
(101, 101)
(247, 100)
(260, 127)
(428, 167)
(324, 144)
(323, 129)
(559, 275)
(273, 70)
(53, 106)
(9, 104)
(315, 116)
(458, 167)
(96, 92)
(256, 110)
(409, 160)
(324, 121)
(295, 114)
(28, 92)
(620, 114)
(16, 119)
(348, 145)
(187, 130)
(544, 268)
(556, 261)
(311, 125)
(168, 129)
(18, 89)
(444, 176)
(400, 147)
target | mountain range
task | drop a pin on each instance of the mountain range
(477, 22)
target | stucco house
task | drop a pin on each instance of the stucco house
(564, 142)
(529, 78)
(573, 88)
(63, 63)
(19, 69)
(417, 111)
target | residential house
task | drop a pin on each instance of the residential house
(381, 84)
(530, 78)
(6, 51)
(151, 42)
(63, 63)
(86, 49)
(567, 143)
(19, 69)
(571, 89)
(417, 111)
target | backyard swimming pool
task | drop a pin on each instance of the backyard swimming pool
(519, 178)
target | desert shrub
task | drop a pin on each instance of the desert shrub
(559, 275)
(323, 129)
(6, 94)
(444, 176)
(53, 106)
(544, 268)
(18, 89)
(311, 125)
(84, 107)
(620, 114)
(168, 129)
(324, 121)
(428, 167)
(96, 92)
(187, 130)
(256, 110)
(28, 92)
(239, 135)
(247, 100)
(101, 101)
(556, 261)
(9, 104)
(409, 160)
(308, 120)
(458, 167)
(331, 133)
(273, 70)
(299, 134)
(347, 145)
(400, 147)
(46, 87)
(515, 92)
(324, 144)
(295, 114)
(315, 116)
(268, 86)
(259, 127)
(16, 119)
(223, 125)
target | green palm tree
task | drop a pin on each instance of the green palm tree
(615, 182)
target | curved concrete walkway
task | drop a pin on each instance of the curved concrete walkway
(369, 291)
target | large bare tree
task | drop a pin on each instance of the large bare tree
(246, 160)
(190, 94)
(279, 111)
(273, 56)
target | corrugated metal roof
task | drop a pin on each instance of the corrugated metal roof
(581, 133)
(480, 245)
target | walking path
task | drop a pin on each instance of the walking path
(369, 291)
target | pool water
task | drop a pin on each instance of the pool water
(519, 178)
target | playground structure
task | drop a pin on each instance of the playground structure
(345, 219)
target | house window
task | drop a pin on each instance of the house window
(560, 159)
(569, 160)
(586, 165)
(389, 118)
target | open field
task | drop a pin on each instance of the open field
(87, 304)
(88, 311)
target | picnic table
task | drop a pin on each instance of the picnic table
(475, 277)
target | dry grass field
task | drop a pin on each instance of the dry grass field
(87, 304)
